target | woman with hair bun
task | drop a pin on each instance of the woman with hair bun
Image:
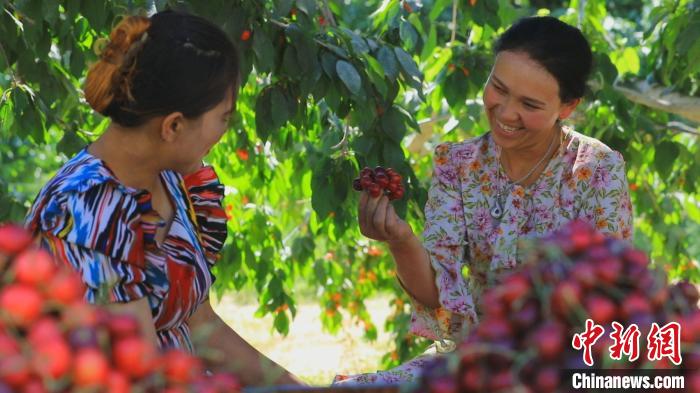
(136, 213)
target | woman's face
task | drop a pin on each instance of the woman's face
(202, 133)
(522, 102)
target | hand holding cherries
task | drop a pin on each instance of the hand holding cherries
(379, 180)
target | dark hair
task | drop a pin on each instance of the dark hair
(170, 62)
(560, 48)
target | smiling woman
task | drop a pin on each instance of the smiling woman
(527, 177)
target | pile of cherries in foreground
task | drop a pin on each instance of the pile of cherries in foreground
(51, 340)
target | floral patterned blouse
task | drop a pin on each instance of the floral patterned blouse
(585, 180)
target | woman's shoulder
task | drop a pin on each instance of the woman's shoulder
(77, 190)
(589, 150)
(86, 205)
(465, 150)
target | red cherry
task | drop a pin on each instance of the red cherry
(13, 239)
(501, 382)
(635, 303)
(245, 36)
(181, 367)
(66, 287)
(689, 291)
(366, 182)
(117, 382)
(492, 304)
(473, 380)
(357, 184)
(34, 266)
(584, 274)
(134, 356)
(15, 370)
(91, 368)
(225, 382)
(21, 303)
(44, 330)
(549, 340)
(374, 190)
(52, 359)
(382, 180)
(514, 287)
(547, 380)
(122, 326)
(34, 386)
(526, 316)
(8, 346)
(635, 256)
(601, 310)
(608, 270)
(242, 154)
(494, 329)
(80, 314)
(566, 296)
(398, 194)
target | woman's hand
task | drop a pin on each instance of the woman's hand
(379, 221)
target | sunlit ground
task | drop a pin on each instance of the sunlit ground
(310, 353)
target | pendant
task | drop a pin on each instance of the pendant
(496, 212)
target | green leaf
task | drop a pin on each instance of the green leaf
(328, 63)
(456, 88)
(437, 8)
(321, 201)
(290, 62)
(393, 125)
(307, 6)
(388, 60)
(359, 46)
(306, 52)
(409, 66)
(95, 12)
(664, 156)
(263, 116)
(264, 52)
(408, 35)
(349, 75)
(70, 143)
(279, 108)
(393, 154)
(281, 323)
(282, 8)
(320, 271)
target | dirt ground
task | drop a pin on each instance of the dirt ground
(310, 353)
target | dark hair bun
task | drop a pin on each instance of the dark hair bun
(560, 48)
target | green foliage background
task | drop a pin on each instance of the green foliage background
(333, 86)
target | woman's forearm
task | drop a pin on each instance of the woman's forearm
(251, 366)
(415, 272)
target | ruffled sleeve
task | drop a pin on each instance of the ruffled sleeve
(206, 194)
(445, 239)
(604, 193)
(101, 232)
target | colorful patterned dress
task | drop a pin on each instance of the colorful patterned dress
(106, 231)
(585, 180)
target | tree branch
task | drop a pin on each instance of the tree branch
(659, 97)
(454, 22)
(327, 14)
